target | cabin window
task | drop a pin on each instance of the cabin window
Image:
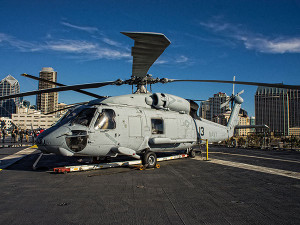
(85, 117)
(157, 126)
(106, 120)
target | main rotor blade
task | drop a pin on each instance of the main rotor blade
(287, 86)
(241, 92)
(224, 104)
(233, 86)
(196, 100)
(64, 88)
(62, 85)
(147, 48)
(68, 107)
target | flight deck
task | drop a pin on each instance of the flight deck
(236, 186)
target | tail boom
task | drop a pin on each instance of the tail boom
(234, 117)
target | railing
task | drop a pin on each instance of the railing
(11, 142)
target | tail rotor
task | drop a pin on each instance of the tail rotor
(232, 97)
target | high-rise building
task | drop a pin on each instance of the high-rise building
(294, 108)
(204, 110)
(211, 108)
(63, 108)
(8, 86)
(47, 102)
(222, 118)
(278, 108)
(244, 120)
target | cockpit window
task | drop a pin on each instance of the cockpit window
(85, 117)
(106, 120)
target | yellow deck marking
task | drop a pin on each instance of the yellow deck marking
(261, 169)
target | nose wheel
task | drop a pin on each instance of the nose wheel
(149, 159)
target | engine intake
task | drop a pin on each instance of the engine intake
(168, 102)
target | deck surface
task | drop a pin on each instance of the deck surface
(237, 186)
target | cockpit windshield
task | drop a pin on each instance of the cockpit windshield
(70, 114)
(106, 120)
(85, 117)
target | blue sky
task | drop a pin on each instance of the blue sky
(252, 40)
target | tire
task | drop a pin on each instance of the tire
(192, 153)
(149, 159)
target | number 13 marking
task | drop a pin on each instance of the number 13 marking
(201, 131)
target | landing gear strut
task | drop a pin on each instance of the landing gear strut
(34, 166)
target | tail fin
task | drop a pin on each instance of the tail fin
(234, 117)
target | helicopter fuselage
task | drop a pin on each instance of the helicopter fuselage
(128, 125)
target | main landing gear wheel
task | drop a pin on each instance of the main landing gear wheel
(192, 153)
(149, 159)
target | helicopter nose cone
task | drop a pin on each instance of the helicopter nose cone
(52, 140)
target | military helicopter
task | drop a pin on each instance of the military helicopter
(138, 124)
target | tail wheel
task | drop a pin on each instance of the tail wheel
(149, 159)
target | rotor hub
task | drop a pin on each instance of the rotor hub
(145, 80)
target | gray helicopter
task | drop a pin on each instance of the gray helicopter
(137, 124)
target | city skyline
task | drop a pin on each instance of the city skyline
(252, 40)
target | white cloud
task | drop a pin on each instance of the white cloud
(258, 42)
(81, 49)
(96, 34)
(111, 42)
(182, 59)
(87, 29)
(173, 60)
(280, 45)
(92, 50)
(217, 26)
(13, 42)
(70, 46)
(161, 61)
(112, 54)
(77, 48)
